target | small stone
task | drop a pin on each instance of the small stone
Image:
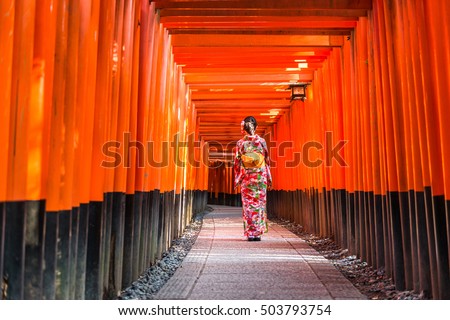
(390, 287)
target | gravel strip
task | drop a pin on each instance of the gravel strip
(374, 284)
(153, 279)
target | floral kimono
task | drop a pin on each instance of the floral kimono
(253, 181)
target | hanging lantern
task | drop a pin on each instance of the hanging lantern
(298, 92)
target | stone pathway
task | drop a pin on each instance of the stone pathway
(223, 265)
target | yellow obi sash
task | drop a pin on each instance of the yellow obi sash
(252, 160)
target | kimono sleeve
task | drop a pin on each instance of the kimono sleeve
(267, 160)
(238, 170)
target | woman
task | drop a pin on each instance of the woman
(252, 173)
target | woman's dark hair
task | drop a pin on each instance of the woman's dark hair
(250, 125)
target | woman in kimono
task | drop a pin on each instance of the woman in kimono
(252, 174)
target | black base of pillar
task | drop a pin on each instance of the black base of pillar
(14, 262)
(94, 251)
(2, 249)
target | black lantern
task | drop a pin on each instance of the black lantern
(298, 92)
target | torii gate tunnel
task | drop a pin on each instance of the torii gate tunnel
(118, 120)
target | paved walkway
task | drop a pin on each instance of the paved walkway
(223, 265)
